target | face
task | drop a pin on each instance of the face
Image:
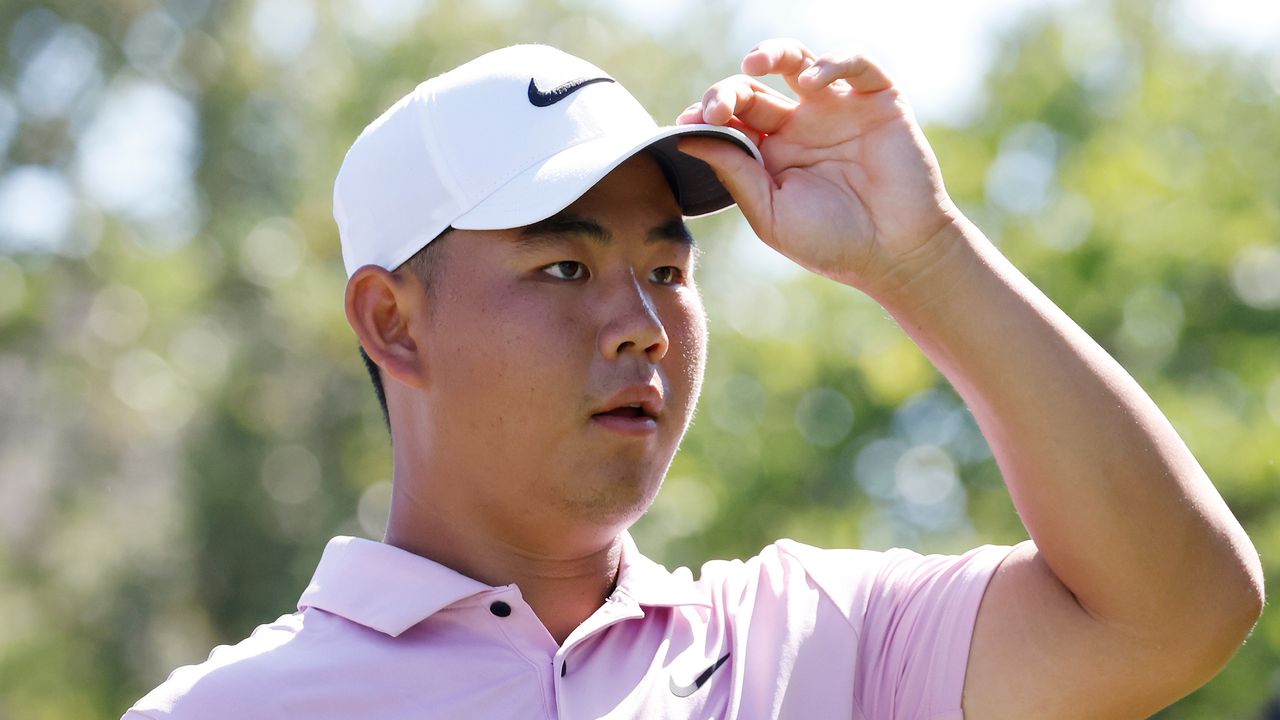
(564, 359)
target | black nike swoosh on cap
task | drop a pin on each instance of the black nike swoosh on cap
(545, 98)
(687, 690)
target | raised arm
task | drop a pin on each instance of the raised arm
(1138, 583)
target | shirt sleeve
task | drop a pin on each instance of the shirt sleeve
(914, 616)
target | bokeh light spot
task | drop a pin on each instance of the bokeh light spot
(61, 69)
(1256, 276)
(875, 466)
(382, 22)
(138, 155)
(200, 350)
(1152, 324)
(926, 479)
(283, 29)
(291, 474)
(739, 405)
(374, 509)
(154, 40)
(1065, 224)
(38, 206)
(1022, 176)
(925, 475)
(824, 416)
(145, 382)
(118, 314)
(272, 251)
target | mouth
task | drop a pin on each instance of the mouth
(632, 412)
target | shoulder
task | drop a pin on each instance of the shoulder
(250, 679)
(853, 579)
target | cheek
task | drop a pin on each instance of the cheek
(511, 343)
(689, 342)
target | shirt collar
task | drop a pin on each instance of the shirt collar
(383, 587)
(651, 584)
(390, 590)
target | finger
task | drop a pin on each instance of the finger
(693, 115)
(751, 101)
(779, 56)
(745, 178)
(690, 115)
(854, 68)
(755, 136)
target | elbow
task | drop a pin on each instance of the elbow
(1244, 617)
(1238, 607)
(1250, 593)
(1192, 650)
(1238, 584)
(1230, 634)
(1251, 589)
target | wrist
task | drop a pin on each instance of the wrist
(934, 271)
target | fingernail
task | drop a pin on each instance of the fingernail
(812, 72)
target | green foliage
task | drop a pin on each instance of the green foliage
(186, 421)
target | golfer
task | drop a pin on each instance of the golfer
(523, 283)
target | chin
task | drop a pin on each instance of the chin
(615, 499)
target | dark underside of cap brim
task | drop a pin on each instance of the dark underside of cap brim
(695, 184)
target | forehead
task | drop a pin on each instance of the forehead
(638, 185)
(634, 200)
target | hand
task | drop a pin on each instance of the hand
(850, 188)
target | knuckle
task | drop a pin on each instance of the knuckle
(785, 49)
(835, 57)
(725, 84)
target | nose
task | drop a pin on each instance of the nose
(631, 322)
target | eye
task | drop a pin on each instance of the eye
(567, 270)
(667, 275)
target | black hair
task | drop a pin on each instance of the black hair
(375, 375)
(426, 265)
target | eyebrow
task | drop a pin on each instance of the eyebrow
(554, 229)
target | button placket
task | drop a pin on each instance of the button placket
(516, 629)
(616, 609)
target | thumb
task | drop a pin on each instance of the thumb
(746, 179)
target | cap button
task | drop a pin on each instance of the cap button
(500, 608)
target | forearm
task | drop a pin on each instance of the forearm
(1117, 505)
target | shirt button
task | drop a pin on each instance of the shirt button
(500, 609)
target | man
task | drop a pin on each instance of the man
(521, 277)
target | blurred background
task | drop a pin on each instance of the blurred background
(184, 420)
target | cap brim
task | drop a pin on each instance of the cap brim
(553, 184)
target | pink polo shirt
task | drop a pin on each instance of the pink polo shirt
(795, 632)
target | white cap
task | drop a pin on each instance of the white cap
(506, 140)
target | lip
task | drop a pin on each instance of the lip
(648, 397)
(630, 426)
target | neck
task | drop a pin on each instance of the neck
(562, 578)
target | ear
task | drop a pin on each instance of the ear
(381, 308)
